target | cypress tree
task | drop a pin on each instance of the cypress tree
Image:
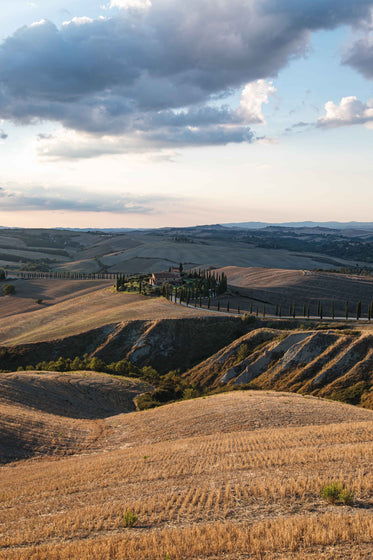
(358, 310)
(332, 309)
(279, 311)
(251, 307)
(264, 311)
(346, 309)
(208, 303)
(293, 310)
(228, 305)
(308, 311)
(218, 305)
(304, 310)
(321, 311)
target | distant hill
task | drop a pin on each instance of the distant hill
(307, 224)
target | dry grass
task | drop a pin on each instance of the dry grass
(78, 312)
(276, 285)
(51, 292)
(60, 414)
(213, 490)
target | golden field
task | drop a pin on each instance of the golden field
(231, 476)
(71, 307)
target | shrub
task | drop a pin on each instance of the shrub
(39, 301)
(8, 289)
(242, 353)
(129, 518)
(337, 493)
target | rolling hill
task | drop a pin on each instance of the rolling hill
(232, 476)
(327, 363)
(285, 287)
(76, 306)
(53, 413)
(145, 251)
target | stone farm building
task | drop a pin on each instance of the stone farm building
(160, 278)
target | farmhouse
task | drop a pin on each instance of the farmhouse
(160, 278)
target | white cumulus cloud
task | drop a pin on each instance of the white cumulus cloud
(349, 111)
(254, 95)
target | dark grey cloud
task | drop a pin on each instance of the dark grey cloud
(360, 56)
(130, 74)
(3, 135)
(45, 200)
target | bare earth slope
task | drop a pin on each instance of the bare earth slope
(324, 363)
(234, 476)
(164, 344)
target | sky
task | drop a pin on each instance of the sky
(152, 113)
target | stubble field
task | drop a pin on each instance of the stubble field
(232, 476)
(71, 307)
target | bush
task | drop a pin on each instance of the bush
(242, 353)
(8, 289)
(39, 301)
(129, 519)
(337, 493)
(146, 401)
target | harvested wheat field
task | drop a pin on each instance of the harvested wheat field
(271, 286)
(43, 413)
(77, 306)
(232, 476)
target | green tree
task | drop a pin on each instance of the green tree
(358, 310)
(8, 289)
(122, 367)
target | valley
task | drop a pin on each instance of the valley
(133, 426)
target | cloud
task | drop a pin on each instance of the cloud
(3, 135)
(42, 199)
(349, 111)
(131, 4)
(155, 76)
(253, 97)
(360, 56)
(268, 141)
